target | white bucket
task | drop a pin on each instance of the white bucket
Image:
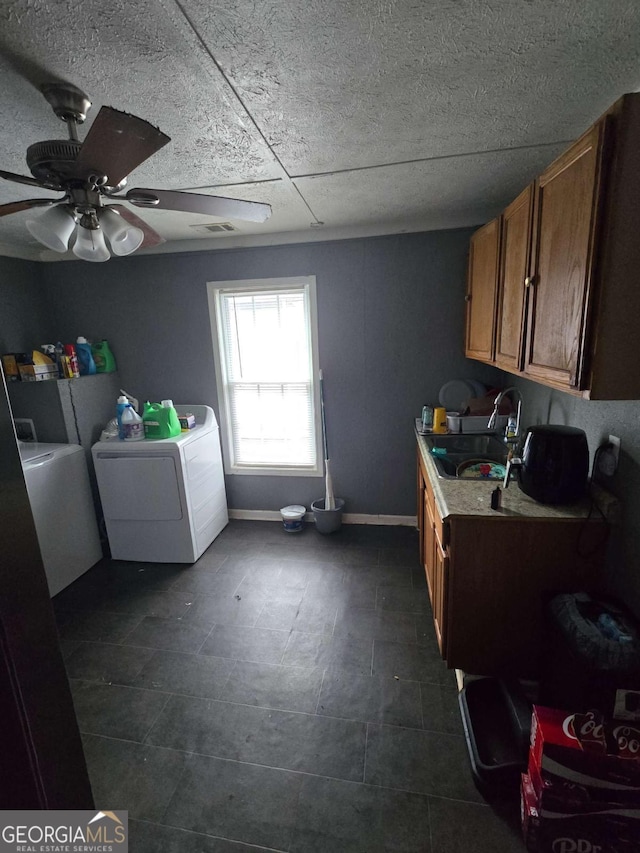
(292, 517)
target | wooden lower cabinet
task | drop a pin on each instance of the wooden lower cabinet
(429, 542)
(434, 557)
(488, 579)
(420, 505)
(441, 587)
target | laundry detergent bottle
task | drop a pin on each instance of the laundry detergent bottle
(122, 404)
(103, 357)
(160, 420)
(86, 364)
(132, 428)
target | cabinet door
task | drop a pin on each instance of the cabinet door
(420, 502)
(441, 573)
(429, 545)
(513, 281)
(481, 292)
(566, 208)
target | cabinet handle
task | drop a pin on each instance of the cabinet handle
(528, 281)
(467, 298)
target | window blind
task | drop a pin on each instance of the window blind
(268, 376)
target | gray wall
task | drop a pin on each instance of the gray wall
(26, 322)
(25, 312)
(390, 316)
(600, 419)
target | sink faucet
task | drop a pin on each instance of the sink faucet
(512, 460)
(496, 405)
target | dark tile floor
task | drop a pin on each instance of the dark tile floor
(284, 693)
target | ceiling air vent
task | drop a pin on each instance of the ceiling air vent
(214, 228)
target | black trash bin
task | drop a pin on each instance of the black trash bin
(496, 717)
(591, 656)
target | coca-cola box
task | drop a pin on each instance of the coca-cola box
(584, 758)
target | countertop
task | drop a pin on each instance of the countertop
(473, 497)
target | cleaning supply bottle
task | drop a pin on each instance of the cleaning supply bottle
(49, 350)
(103, 357)
(70, 353)
(59, 360)
(511, 429)
(172, 417)
(122, 404)
(160, 420)
(131, 424)
(86, 364)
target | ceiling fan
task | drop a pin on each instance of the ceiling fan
(93, 173)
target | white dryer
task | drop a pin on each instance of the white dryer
(164, 500)
(62, 507)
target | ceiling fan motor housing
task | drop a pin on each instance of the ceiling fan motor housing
(53, 159)
(67, 101)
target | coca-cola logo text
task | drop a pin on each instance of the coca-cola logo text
(567, 727)
(628, 741)
(590, 727)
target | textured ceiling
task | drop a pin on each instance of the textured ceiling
(352, 117)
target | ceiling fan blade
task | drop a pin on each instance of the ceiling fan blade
(210, 205)
(117, 143)
(17, 206)
(27, 67)
(30, 182)
(151, 237)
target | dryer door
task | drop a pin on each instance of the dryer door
(142, 488)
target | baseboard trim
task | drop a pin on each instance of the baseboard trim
(347, 518)
(257, 514)
(363, 518)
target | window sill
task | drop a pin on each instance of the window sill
(274, 472)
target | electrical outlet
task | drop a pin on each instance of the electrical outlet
(607, 457)
(25, 430)
(615, 441)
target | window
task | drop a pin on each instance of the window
(266, 343)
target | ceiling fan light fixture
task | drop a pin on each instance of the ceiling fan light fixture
(54, 227)
(124, 238)
(90, 245)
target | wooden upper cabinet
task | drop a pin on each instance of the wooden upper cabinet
(564, 241)
(574, 324)
(513, 281)
(481, 292)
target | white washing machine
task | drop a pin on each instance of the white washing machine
(62, 508)
(163, 500)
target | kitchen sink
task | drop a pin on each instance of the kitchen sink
(461, 448)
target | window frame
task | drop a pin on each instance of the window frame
(215, 289)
